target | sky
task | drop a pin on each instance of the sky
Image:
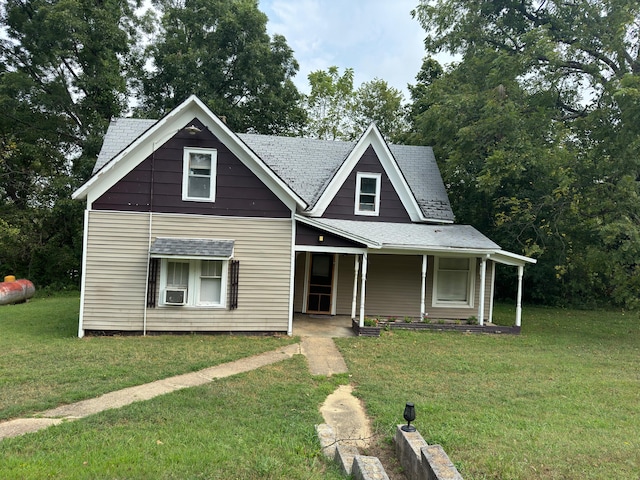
(377, 38)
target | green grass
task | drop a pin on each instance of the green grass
(43, 364)
(257, 425)
(559, 401)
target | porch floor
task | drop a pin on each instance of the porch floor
(305, 325)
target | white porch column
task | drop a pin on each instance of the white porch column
(362, 287)
(354, 300)
(493, 290)
(483, 277)
(424, 287)
(519, 298)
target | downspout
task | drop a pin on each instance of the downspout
(146, 283)
(362, 288)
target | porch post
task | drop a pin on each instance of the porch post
(519, 298)
(424, 287)
(362, 288)
(493, 290)
(354, 299)
(483, 277)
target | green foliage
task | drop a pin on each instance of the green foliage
(64, 71)
(329, 104)
(338, 112)
(537, 130)
(220, 51)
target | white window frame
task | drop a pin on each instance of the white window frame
(378, 178)
(193, 287)
(471, 285)
(186, 158)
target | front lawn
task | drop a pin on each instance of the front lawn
(43, 364)
(559, 401)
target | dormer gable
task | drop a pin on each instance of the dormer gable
(367, 184)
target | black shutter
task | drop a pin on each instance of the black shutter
(152, 282)
(234, 270)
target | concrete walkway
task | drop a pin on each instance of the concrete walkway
(322, 355)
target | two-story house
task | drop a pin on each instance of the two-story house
(192, 227)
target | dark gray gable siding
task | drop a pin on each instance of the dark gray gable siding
(307, 235)
(238, 191)
(391, 207)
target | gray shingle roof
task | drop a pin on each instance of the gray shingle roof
(192, 247)
(411, 235)
(120, 134)
(307, 165)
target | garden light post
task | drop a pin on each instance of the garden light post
(409, 416)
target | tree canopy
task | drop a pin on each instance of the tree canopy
(220, 51)
(540, 120)
(64, 70)
(338, 112)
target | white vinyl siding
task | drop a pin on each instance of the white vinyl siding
(393, 288)
(117, 261)
(199, 174)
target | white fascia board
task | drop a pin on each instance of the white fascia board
(510, 258)
(326, 249)
(373, 137)
(165, 129)
(427, 250)
(341, 233)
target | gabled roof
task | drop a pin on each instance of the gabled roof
(141, 138)
(314, 169)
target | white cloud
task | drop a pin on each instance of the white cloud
(377, 38)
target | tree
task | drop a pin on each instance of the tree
(64, 73)
(338, 112)
(377, 102)
(570, 127)
(330, 103)
(220, 51)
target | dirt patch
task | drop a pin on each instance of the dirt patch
(385, 451)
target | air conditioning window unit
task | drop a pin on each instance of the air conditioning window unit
(175, 296)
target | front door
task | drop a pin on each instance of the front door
(320, 283)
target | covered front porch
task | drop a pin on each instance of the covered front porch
(338, 273)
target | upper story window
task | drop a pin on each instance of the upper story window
(367, 194)
(199, 174)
